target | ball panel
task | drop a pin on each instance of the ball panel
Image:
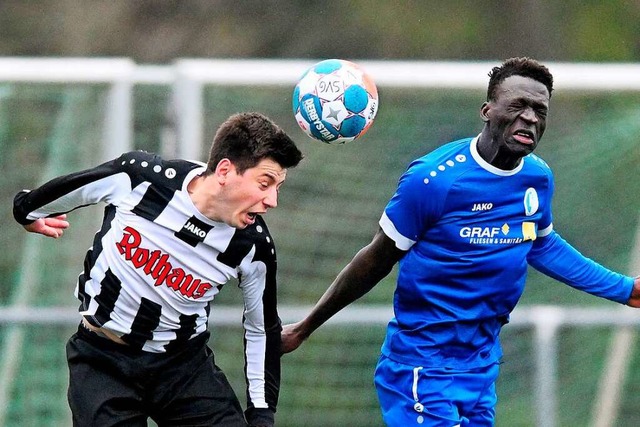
(370, 86)
(330, 87)
(311, 112)
(365, 129)
(296, 99)
(304, 125)
(339, 140)
(327, 66)
(334, 113)
(308, 83)
(324, 132)
(371, 110)
(310, 108)
(356, 98)
(352, 126)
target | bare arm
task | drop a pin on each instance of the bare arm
(370, 265)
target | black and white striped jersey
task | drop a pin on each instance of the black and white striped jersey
(157, 263)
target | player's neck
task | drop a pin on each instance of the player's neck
(492, 153)
(203, 191)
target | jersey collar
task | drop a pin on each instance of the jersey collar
(488, 166)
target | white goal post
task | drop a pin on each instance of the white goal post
(188, 77)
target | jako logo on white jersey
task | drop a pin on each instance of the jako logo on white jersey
(482, 207)
(193, 231)
(157, 265)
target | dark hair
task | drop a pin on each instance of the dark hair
(525, 67)
(248, 138)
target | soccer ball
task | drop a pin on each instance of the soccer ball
(335, 101)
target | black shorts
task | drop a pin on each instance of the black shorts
(112, 384)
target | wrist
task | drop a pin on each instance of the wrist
(260, 417)
(302, 330)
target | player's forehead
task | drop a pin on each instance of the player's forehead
(521, 87)
(269, 168)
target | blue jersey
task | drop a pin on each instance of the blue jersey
(470, 230)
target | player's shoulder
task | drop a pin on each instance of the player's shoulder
(537, 165)
(258, 231)
(151, 167)
(443, 165)
(447, 155)
(258, 235)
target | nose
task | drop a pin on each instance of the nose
(529, 115)
(271, 200)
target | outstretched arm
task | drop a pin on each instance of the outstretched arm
(109, 182)
(50, 227)
(370, 265)
(556, 258)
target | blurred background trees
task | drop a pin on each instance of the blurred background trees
(157, 31)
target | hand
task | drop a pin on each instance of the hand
(260, 417)
(291, 338)
(50, 227)
(634, 299)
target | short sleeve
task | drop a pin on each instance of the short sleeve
(416, 205)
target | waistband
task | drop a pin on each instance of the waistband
(102, 341)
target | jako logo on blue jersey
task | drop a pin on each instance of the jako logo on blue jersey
(482, 207)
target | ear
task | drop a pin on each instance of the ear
(223, 168)
(484, 111)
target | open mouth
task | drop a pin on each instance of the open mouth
(524, 136)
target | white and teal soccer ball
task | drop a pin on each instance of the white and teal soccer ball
(335, 101)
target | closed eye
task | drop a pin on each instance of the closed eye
(266, 182)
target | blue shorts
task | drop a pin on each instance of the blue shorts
(436, 397)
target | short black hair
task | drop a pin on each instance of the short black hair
(248, 138)
(523, 66)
